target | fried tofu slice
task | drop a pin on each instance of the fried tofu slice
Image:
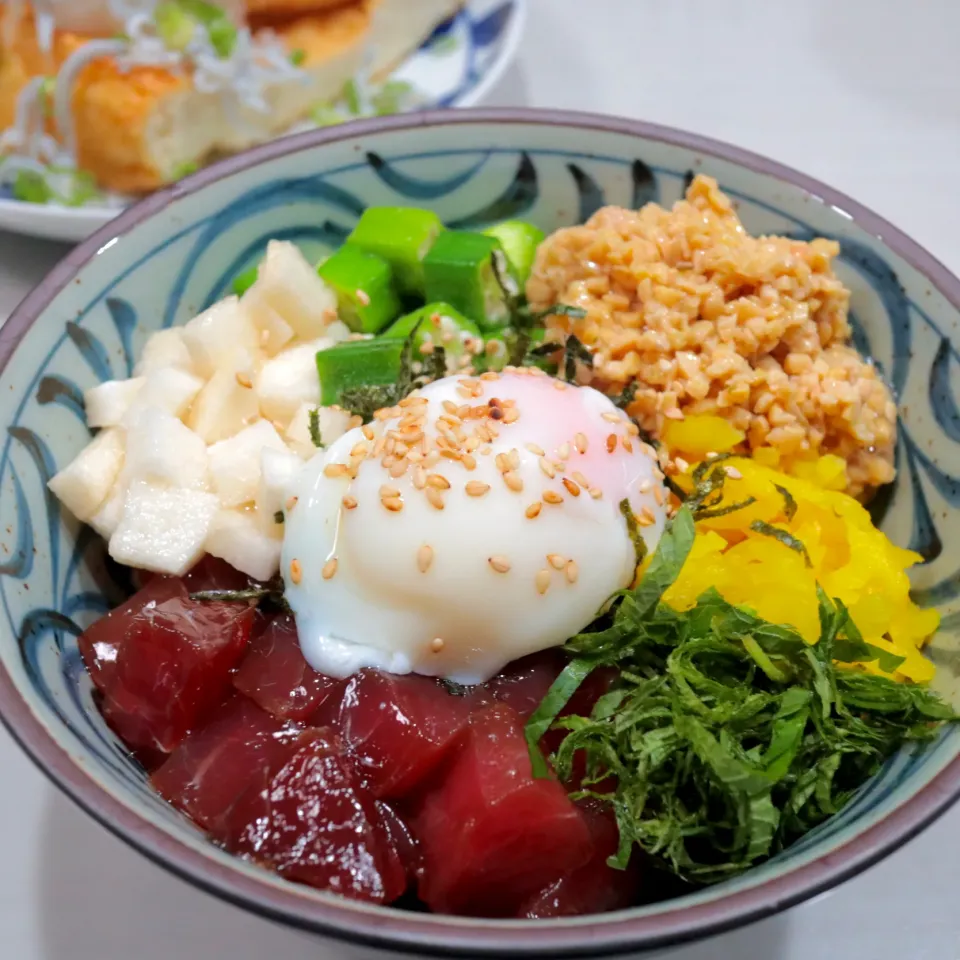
(138, 129)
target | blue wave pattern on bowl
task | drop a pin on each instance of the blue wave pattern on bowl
(56, 579)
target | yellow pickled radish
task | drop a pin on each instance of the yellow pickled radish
(851, 559)
(699, 435)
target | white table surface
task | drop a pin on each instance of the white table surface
(864, 94)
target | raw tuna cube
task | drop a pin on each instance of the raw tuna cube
(100, 643)
(315, 823)
(274, 674)
(525, 682)
(594, 887)
(401, 840)
(212, 573)
(399, 728)
(172, 667)
(211, 768)
(491, 835)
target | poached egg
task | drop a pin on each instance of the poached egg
(476, 522)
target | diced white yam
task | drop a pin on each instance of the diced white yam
(332, 421)
(275, 332)
(237, 537)
(165, 348)
(278, 470)
(85, 482)
(160, 449)
(108, 517)
(289, 380)
(216, 337)
(167, 388)
(223, 407)
(338, 331)
(163, 529)
(107, 402)
(290, 285)
(235, 463)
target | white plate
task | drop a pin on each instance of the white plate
(456, 67)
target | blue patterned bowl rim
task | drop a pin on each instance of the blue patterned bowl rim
(428, 935)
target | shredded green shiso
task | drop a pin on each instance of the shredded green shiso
(724, 738)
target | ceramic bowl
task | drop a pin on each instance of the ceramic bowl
(162, 261)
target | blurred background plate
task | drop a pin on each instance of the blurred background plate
(457, 66)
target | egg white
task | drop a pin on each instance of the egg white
(463, 618)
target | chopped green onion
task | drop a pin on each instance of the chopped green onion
(461, 269)
(175, 27)
(441, 326)
(184, 169)
(325, 115)
(297, 57)
(519, 240)
(357, 363)
(391, 97)
(31, 187)
(363, 282)
(402, 236)
(220, 29)
(352, 99)
(242, 282)
(48, 90)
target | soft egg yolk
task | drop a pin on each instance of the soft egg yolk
(475, 523)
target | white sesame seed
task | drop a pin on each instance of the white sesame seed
(611, 443)
(438, 481)
(435, 497)
(296, 571)
(681, 464)
(595, 492)
(563, 452)
(556, 561)
(329, 568)
(513, 481)
(499, 564)
(334, 470)
(551, 496)
(513, 458)
(580, 441)
(645, 486)
(350, 503)
(533, 511)
(543, 581)
(387, 491)
(291, 503)
(547, 467)
(363, 297)
(571, 487)
(475, 488)
(611, 417)
(393, 504)
(581, 479)
(424, 558)
(571, 571)
(733, 473)
(436, 644)
(536, 450)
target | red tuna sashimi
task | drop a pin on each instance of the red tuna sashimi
(212, 573)
(399, 728)
(595, 887)
(100, 643)
(316, 823)
(238, 745)
(525, 682)
(274, 674)
(490, 834)
(172, 666)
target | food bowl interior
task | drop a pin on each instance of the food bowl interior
(162, 262)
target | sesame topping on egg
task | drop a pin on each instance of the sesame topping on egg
(420, 525)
